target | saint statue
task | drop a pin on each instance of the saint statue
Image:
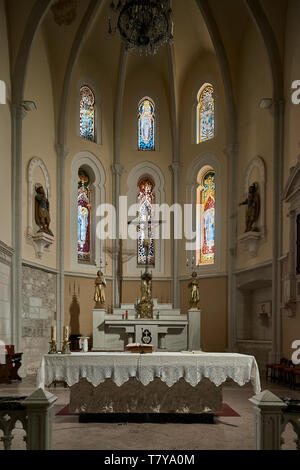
(253, 208)
(146, 287)
(42, 215)
(195, 296)
(100, 284)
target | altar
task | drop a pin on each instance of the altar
(149, 383)
(168, 330)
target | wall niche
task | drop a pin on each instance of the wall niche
(254, 313)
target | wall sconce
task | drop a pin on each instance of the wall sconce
(28, 106)
(266, 103)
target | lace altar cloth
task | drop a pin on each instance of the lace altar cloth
(168, 367)
(157, 397)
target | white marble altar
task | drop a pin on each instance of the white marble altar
(168, 330)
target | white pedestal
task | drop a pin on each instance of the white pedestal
(194, 330)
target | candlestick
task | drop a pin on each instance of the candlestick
(53, 333)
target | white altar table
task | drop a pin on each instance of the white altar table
(158, 382)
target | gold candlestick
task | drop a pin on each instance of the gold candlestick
(66, 347)
(53, 347)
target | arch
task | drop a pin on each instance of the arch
(90, 163)
(33, 164)
(97, 109)
(146, 124)
(87, 113)
(146, 170)
(149, 94)
(205, 120)
(258, 163)
(203, 164)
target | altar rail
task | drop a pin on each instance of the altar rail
(272, 415)
(34, 413)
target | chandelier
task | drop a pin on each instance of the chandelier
(143, 24)
(64, 11)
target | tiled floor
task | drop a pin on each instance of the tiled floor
(227, 434)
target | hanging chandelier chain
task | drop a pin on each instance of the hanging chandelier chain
(143, 24)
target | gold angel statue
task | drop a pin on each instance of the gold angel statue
(195, 296)
(100, 284)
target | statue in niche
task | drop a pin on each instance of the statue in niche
(253, 208)
(195, 296)
(42, 214)
(100, 284)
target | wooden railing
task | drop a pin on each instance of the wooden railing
(272, 415)
(34, 413)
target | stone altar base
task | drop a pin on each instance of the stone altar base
(133, 397)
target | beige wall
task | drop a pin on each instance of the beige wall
(205, 69)
(5, 136)
(255, 135)
(79, 303)
(39, 140)
(213, 303)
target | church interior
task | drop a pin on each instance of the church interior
(196, 137)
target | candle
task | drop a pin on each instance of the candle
(66, 333)
(53, 333)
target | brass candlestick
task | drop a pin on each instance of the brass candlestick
(66, 347)
(53, 347)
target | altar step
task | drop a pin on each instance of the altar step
(183, 418)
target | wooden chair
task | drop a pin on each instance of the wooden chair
(288, 373)
(295, 375)
(279, 370)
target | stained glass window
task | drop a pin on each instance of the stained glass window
(146, 125)
(206, 219)
(145, 221)
(87, 113)
(205, 114)
(84, 217)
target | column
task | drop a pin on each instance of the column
(117, 265)
(175, 170)
(62, 152)
(18, 114)
(232, 152)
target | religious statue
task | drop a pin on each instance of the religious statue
(146, 287)
(253, 208)
(145, 306)
(195, 296)
(42, 215)
(100, 284)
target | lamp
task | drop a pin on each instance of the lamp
(29, 106)
(266, 103)
(143, 24)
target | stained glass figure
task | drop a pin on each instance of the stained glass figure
(206, 253)
(87, 113)
(84, 217)
(146, 125)
(206, 114)
(145, 221)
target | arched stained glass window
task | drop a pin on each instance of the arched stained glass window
(146, 125)
(206, 218)
(205, 114)
(84, 217)
(145, 221)
(87, 113)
